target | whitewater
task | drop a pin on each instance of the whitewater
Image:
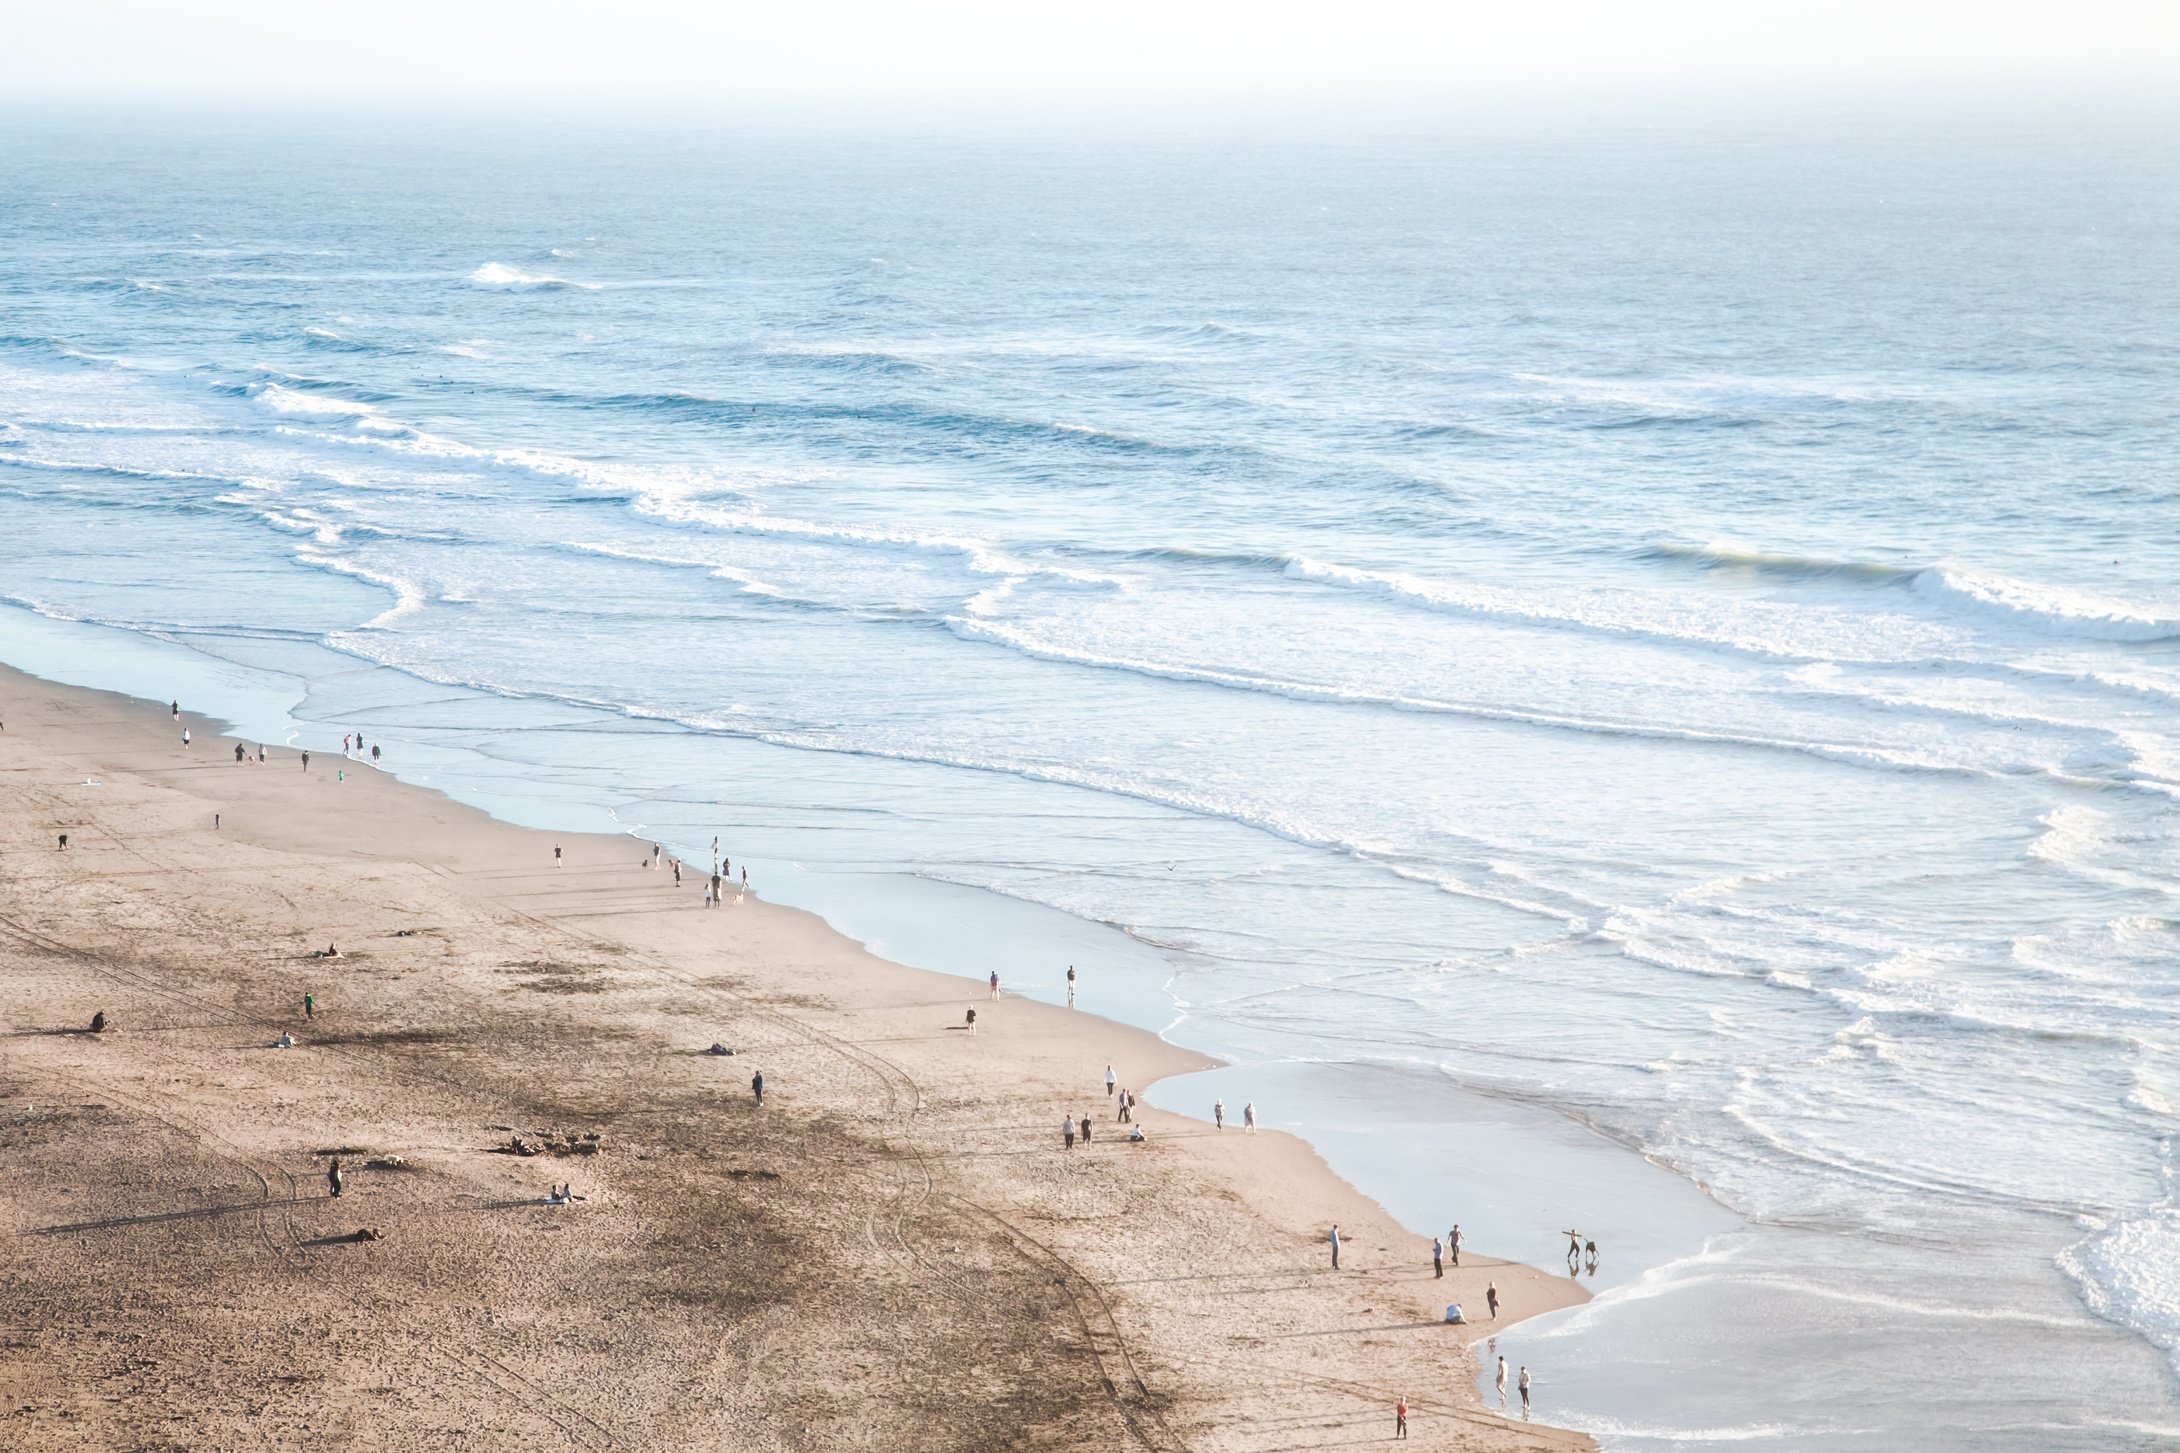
(1620, 676)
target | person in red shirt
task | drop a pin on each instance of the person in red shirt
(1400, 1418)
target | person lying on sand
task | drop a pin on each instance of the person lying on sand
(328, 952)
(285, 1041)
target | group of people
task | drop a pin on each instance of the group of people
(1248, 1116)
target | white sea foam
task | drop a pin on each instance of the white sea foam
(2129, 1273)
(499, 276)
(2048, 609)
(311, 405)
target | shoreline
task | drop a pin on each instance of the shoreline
(1282, 1186)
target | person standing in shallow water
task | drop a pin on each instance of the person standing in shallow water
(1502, 1384)
(1218, 1114)
(1525, 1391)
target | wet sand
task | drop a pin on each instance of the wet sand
(893, 1251)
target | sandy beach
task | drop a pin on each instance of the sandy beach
(892, 1251)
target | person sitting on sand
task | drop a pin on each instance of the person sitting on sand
(98, 1022)
(1454, 1316)
(285, 1041)
(1136, 1135)
(718, 1049)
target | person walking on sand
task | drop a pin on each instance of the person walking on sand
(333, 1178)
(757, 1086)
(1249, 1118)
(238, 754)
(1070, 986)
(1112, 1081)
(677, 872)
(1453, 1242)
(1218, 1114)
(310, 1006)
(1086, 1127)
(306, 761)
(1502, 1384)
(1067, 1132)
(995, 986)
(185, 737)
(1491, 1299)
(556, 855)
(1400, 1418)
(177, 711)
(1334, 1238)
(1438, 1257)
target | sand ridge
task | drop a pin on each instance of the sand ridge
(893, 1251)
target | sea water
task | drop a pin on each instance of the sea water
(1623, 669)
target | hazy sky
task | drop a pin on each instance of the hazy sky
(845, 50)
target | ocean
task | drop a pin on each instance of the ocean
(1622, 669)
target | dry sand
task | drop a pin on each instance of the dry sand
(893, 1252)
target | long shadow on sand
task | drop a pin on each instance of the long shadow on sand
(115, 1222)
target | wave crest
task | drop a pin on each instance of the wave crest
(500, 277)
